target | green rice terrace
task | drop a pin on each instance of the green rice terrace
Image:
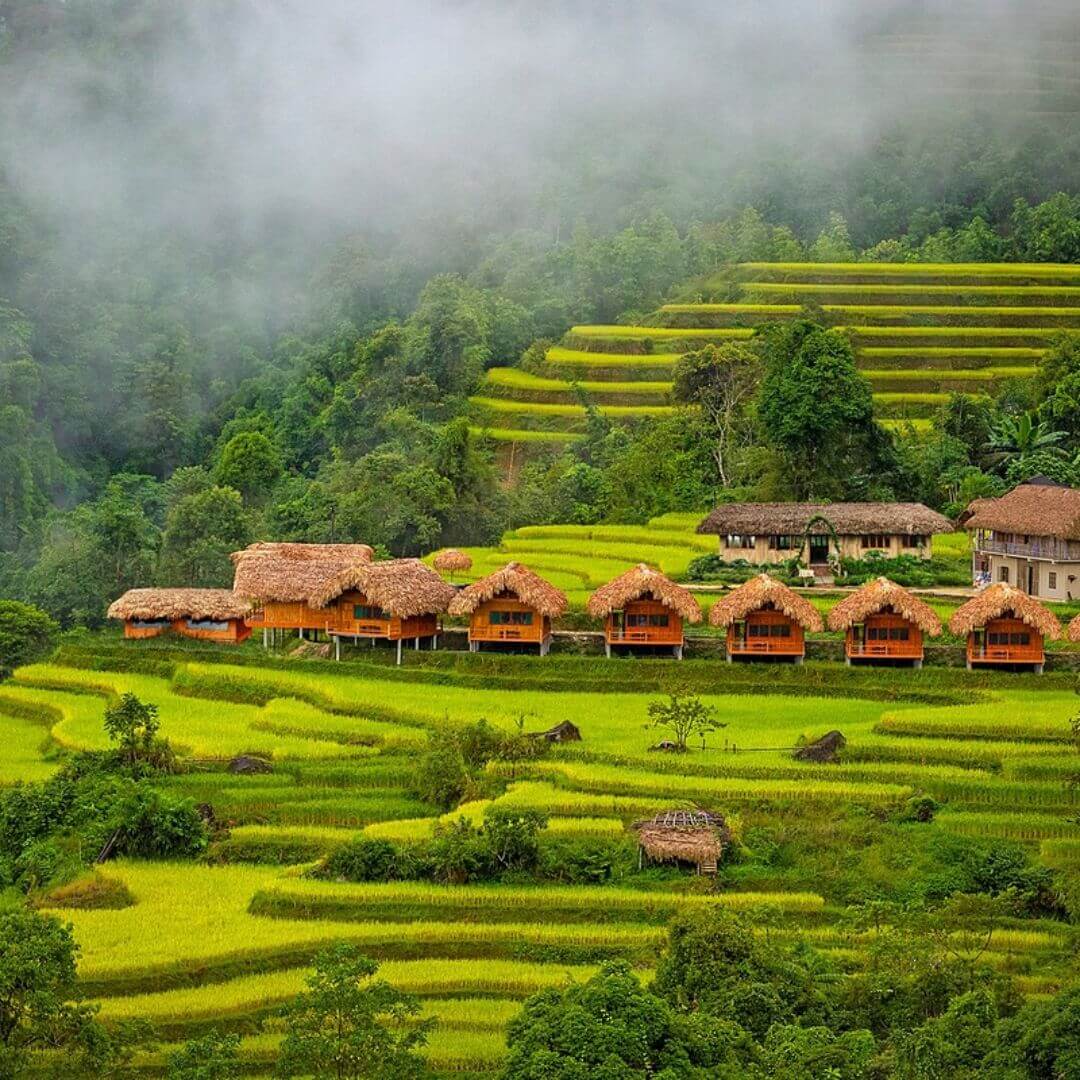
(223, 942)
(920, 331)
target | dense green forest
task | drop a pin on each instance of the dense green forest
(169, 391)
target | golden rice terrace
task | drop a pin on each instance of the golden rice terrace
(920, 331)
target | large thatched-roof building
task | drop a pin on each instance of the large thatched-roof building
(395, 600)
(1005, 626)
(696, 837)
(510, 607)
(882, 621)
(765, 620)
(641, 608)
(768, 533)
(280, 579)
(1030, 538)
(206, 614)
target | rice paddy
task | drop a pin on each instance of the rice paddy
(225, 942)
(920, 331)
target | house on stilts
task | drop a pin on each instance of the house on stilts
(882, 622)
(396, 600)
(280, 579)
(1005, 627)
(510, 607)
(765, 620)
(642, 609)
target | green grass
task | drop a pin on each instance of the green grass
(894, 290)
(538, 409)
(499, 434)
(659, 332)
(943, 270)
(24, 732)
(559, 355)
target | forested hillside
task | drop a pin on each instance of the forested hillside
(207, 338)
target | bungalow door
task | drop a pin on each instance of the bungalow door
(819, 550)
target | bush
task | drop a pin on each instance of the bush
(459, 853)
(587, 861)
(364, 859)
(512, 837)
(26, 634)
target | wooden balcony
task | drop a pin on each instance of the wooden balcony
(1006, 642)
(1035, 547)
(884, 636)
(764, 634)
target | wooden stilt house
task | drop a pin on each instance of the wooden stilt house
(206, 614)
(512, 606)
(883, 622)
(765, 620)
(397, 600)
(280, 579)
(643, 609)
(1005, 627)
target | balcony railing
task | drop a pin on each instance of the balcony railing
(1038, 547)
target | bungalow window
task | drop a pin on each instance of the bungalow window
(206, 624)
(759, 629)
(784, 543)
(898, 633)
(368, 611)
(738, 540)
(1003, 574)
(876, 541)
(780, 630)
(1051, 579)
(151, 624)
(517, 618)
(913, 541)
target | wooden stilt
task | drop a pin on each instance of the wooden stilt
(416, 644)
(337, 646)
(266, 643)
(399, 652)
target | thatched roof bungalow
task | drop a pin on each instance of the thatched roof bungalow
(683, 836)
(883, 621)
(206, 614)
(395, 600)
(511, 606)
(643, 608)
(280, 579)
(1005, 626)
(765, 533)
(765, 620)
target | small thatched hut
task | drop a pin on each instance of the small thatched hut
(394, 600)
(883, 621)
(281, 579)
(643, 608)
(765, 620)
(207, 614)
(512, 606)
(685, 836)
(1072, 632)
(1005, 626)
(451, 561)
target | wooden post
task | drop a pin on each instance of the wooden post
(416, 643)
(398, 651)
(337, 646)
(265, 642)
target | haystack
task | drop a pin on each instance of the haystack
(403, 587)
(875, 597)
(765, 592)
(643, 582)
(518, 581)
(216, 605)
(292, 573)
(1000, 601)
(1073, 631)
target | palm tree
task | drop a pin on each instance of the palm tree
(1017, 437)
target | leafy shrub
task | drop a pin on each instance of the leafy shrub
(364, 859)
(26, 634)
(905, 570)
(459, 853)
(713, 568)
(587, 861)
(512, 837)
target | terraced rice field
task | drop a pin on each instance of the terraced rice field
(920, 331)
(224, 944)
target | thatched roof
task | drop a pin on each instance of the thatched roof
(1004, 600)
(291, 573)
(1072, 632)
(220, 605)
(695, 836)
(878, 595)
(403, 587)
(450, 560)
(638, 582)
(848, 519)
(1031, 510)
(517, 580)
(765, 592)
